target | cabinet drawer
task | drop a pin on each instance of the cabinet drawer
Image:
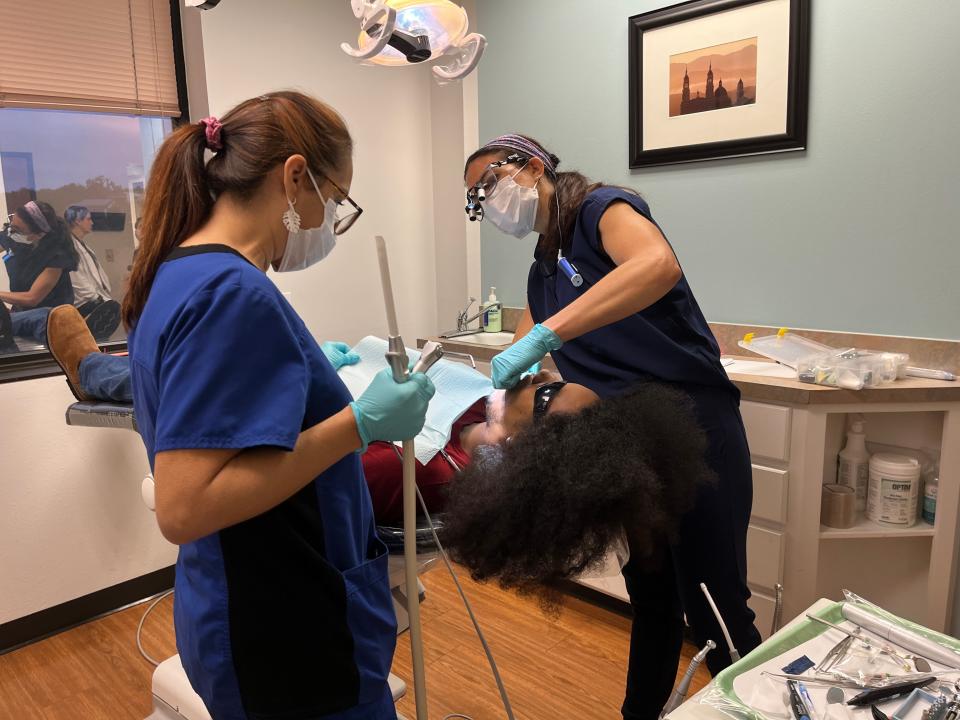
(769, 494)
(764, 557)
(768, 429)
(763, 607)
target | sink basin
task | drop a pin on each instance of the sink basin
(498, 339)
(759, 367)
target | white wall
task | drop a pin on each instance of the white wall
(250, 49)
(71, 518)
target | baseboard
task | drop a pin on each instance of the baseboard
(595, 597)
(58, 618)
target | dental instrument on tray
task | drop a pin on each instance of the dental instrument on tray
(734, 654)
(913, 643)
(680, 693)
(797, 705)
(875, 695)
(807, 700)
(885, 649)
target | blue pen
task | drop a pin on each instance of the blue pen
(796, 702)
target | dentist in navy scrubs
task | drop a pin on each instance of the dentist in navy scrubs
(608, 300)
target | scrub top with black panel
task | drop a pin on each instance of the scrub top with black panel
(288, 614)
(670, 340)
(25, 263)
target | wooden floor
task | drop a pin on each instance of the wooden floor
(568, 667)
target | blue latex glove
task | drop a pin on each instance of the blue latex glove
(338, 353)
(510, 365)
(534, 369)
(389, 410)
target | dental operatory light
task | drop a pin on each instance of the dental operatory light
(404, 32)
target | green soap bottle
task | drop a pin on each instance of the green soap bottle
(491, 318)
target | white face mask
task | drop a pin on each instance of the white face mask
(20, 238)
(513, 207)
(310, 246)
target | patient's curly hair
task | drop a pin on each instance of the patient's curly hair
(548, 505)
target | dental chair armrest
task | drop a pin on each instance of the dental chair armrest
(101, 414)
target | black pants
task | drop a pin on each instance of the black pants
(710, 548)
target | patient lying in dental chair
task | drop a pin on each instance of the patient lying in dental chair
(465, 413)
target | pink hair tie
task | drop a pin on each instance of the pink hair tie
(212, 128)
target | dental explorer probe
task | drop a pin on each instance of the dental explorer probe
(399, 364)
(734, 654)
(680, 693)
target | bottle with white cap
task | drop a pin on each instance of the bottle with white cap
(853, 470)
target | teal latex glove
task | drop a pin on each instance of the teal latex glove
(338, 353)
(534, 369)
(389, 410)
(509, 366)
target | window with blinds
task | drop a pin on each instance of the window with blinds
(113, 56)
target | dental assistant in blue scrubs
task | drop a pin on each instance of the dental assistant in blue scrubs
(282, 605)
(608, 300)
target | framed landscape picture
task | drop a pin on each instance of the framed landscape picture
(718, 78)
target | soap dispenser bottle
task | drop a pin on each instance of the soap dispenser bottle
(854, 465)
(491, 320)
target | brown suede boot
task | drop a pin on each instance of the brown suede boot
(69, 341)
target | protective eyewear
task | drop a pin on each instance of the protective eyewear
(543, 396)
(346, 221)
(486, 187)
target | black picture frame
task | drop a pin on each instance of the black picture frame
(795, 137)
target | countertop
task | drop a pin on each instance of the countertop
(779, 390)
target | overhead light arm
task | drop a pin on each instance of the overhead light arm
(462, 58)
(371, 15)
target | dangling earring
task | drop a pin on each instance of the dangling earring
(291, 218)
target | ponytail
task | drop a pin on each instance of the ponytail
(177, 204)
(252, 139)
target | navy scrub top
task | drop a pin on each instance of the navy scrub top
(288, 614)
(669, 341)
(25, 263)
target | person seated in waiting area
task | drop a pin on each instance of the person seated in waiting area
(91, 286)
(93, 375)
(39, 257)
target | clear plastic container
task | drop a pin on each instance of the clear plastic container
(785, 347)
(851, 369)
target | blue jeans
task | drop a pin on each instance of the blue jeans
(31, 324)
(106, 377)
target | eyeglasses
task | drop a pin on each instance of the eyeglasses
(344, 222)
(543, 396)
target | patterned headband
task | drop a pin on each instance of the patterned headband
(36, 215)
(525, 146)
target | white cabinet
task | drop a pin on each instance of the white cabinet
(768, 429)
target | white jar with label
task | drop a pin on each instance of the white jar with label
(894, 490)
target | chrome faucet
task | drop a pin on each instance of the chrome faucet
(463, 321)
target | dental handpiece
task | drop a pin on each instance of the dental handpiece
(680, 693)
(430, 354)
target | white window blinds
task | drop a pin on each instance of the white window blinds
(95, 55)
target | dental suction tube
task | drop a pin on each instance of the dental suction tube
(399, 364)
